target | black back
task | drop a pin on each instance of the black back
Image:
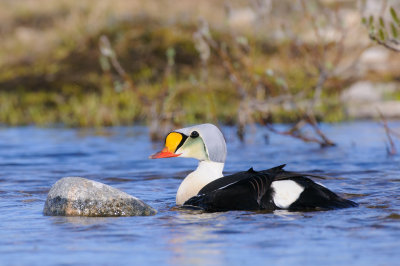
(240, 191)
(251, 190)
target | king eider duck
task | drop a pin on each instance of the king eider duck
(271, 189)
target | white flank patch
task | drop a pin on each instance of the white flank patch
(286, 192)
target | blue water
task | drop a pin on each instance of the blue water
(33, 159)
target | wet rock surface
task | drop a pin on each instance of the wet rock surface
(76, 196)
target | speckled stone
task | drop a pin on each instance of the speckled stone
(77, 196)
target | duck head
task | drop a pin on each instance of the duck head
(203, 142)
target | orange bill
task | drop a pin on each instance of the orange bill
(171, 144)
(163, 154)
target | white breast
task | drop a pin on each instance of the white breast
(286, 192)
(205, 173)
(189, 187)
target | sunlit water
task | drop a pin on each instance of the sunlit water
(33, 159)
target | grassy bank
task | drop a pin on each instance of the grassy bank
(53, 71)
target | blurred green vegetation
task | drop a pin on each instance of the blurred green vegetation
(52, 70)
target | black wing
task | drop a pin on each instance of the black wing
(242, 191)
(228, 180)
(317, 197)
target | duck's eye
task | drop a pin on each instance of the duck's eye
(194, 134)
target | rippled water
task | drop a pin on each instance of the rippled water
(33, 159)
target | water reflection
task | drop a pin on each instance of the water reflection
(192, 239)
(290, 216)
(81, 221)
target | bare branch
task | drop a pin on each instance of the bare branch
(313, 122)
(391, 149)
(385, 44)
(294, 134)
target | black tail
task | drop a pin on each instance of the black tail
(316, 196)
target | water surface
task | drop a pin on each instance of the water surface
(33, 159)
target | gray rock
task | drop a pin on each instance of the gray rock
(389, 109)
(368, 92)
(365, 100)
(76, 196)
(376, 58)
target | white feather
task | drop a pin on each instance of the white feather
(206, 172)
(286, 192)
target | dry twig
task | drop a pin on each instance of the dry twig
(391, 148)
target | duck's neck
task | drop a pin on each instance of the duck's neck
(206, 172)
